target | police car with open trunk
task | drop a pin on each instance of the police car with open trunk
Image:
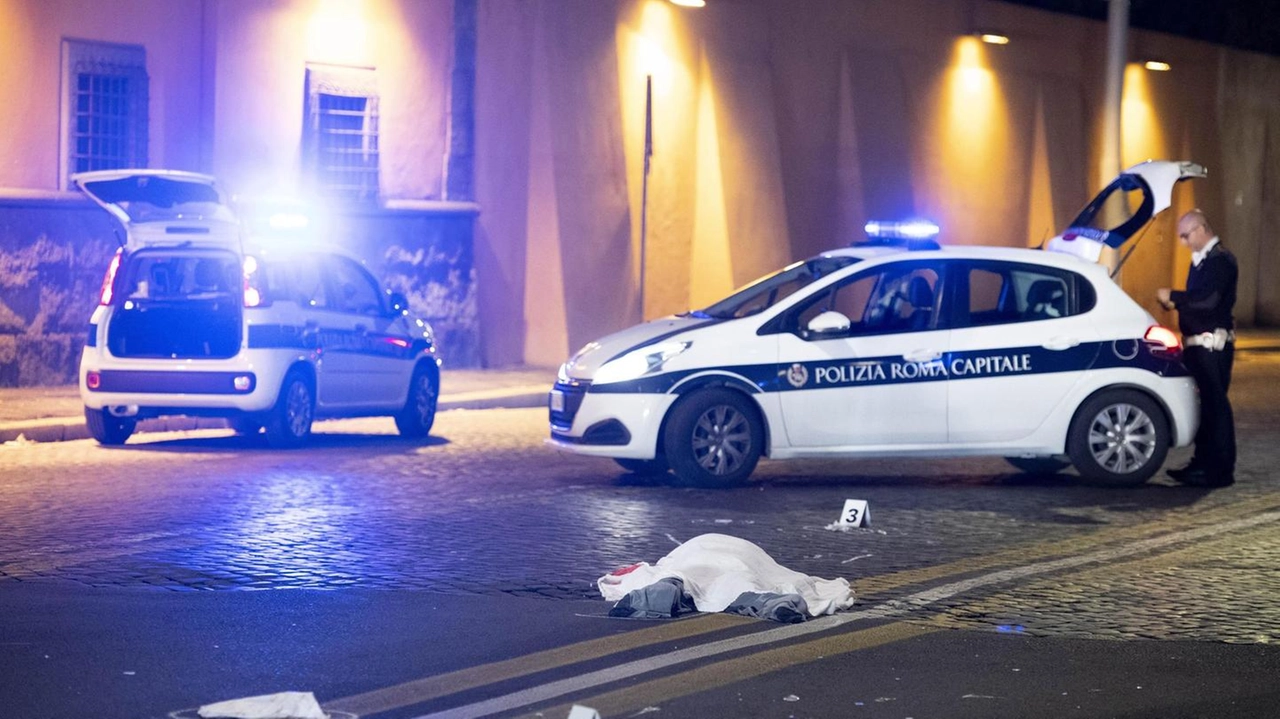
(196, 319)
(902, 348)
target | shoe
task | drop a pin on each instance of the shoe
(1182, 473)
(1201, 477)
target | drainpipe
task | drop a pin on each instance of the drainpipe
(459, 169)
(1117, 57)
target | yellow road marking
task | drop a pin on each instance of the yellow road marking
(732, 671)
(427, 688)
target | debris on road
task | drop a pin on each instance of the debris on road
(283, 705)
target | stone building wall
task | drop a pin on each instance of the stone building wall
(54, 248)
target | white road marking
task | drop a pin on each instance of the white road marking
(890, 609)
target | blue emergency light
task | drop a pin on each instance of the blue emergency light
(916, 234)
(902, 230)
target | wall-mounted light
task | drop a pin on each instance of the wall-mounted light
(992, 38)
(690, 3)
(1156, 66)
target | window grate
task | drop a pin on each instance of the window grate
(105, 106)
(341, 133)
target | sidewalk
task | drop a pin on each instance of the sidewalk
(54, 414)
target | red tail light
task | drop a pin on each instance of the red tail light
(1163, 339)
(109, 280)
(253, 294)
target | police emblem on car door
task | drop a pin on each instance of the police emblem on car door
(862, 361)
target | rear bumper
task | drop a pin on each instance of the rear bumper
(157, 388)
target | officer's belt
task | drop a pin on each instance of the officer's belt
(1212, 341)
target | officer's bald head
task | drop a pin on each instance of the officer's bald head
(1194, 230)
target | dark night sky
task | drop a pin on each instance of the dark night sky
(1246, 24)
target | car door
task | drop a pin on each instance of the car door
(1018, 347)
(862, 361)
(367, 351)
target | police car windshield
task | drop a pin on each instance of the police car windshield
(772, 289)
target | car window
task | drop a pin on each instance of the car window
(298, 279)
(897, 298)
(351, 288)
(1000, 293)
(187, 276)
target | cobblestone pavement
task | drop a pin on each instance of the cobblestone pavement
(484, 508)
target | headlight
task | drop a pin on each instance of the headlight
(639, 362)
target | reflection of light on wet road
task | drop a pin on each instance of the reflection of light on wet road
(293, 527)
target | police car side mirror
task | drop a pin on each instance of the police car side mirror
(828, 322)
(399, 303)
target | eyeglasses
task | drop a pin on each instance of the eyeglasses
(1185, 235)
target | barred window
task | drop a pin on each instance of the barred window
(340, 134)
(104, 107)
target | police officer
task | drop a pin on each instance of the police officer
(1208, 338)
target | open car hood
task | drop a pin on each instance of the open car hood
(1124, 207)
(164, 207)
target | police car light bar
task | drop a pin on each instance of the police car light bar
(902, 230)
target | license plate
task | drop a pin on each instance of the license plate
(557, 400)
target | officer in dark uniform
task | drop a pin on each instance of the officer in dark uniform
(1208, 339)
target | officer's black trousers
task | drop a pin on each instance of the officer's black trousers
(1216, 438)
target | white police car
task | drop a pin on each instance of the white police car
(189, 323)
(902, 348)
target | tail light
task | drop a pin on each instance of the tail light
(254, 290)
(109, 279)
(1163, 341)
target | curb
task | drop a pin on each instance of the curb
(62, 429)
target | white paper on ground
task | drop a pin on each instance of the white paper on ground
(284, 705)
(717, 568)
(580, 712)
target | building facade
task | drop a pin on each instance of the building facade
(487, 157)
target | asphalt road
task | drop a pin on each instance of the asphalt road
(455, 578)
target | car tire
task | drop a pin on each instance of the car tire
(1119, 438)
(714, 438)
(419, 412)
(107, 428)
(289, 422)
(1038, 465)
(647, 467)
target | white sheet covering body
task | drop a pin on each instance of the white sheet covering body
(717, 568)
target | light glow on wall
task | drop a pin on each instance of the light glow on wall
(1141, 132)
(971, 144)
(338, 33)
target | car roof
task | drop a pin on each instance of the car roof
(973, 252)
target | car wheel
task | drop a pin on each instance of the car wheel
(419, 411)
(1038, 465)
(107, 428)
(246, 426)
(714, 438)
(643, 466)
(289, 423)
(1118, 438)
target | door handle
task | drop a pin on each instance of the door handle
(1061, 343)
(922, 355)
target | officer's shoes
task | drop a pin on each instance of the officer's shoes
(1201, 477)
(1182, 473)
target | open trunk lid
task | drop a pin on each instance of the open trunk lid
(164, 207)
(1124, 207)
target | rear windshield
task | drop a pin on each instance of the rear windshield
(188, 276)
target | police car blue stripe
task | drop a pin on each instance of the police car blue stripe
(894, 369)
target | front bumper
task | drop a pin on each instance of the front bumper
(606, 424)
